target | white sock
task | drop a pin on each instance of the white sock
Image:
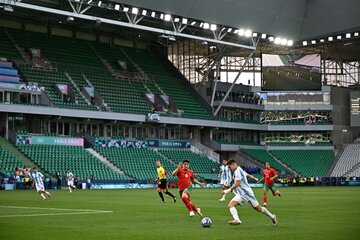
(47, 193)
(70, 189)
(223, 196)
(267, 213)
(42, 195)
(234, 213)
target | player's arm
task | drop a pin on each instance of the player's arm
(252, 177)
(262, 179)
(175, 172)
(274, 177)
(195, 181)
(234, 186)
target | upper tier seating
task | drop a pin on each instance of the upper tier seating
(7, 49)
(263, 156)
(83, 164)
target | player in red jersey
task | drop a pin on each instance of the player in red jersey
(185, 178)
(269, 174)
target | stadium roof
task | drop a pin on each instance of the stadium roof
(294, 19)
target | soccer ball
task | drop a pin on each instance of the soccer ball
(206, 222)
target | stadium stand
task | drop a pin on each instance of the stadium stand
(307, 163)
(139, 163)
(349, 159)
(202, 166)
(55, 159)
(8, 162)
(263, 156)
(7, 49)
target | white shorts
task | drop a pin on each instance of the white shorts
(71, 183)
(40, 188)
(251, 201)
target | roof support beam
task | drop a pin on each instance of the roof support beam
(129, 25)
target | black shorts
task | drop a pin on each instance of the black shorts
(163, 184)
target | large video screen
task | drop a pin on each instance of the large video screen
(355, 109)
(291, 72)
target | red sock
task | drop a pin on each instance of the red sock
(265, 199)
(187, 203)
(193, 207)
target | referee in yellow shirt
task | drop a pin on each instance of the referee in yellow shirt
(162, 182)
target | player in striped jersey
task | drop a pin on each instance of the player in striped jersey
(225, 178)
(38, 181)
(244, 194)
(70, 180)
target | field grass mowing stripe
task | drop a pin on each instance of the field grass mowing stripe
(54, 214)
(54, 209)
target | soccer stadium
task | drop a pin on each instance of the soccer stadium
(168, 119)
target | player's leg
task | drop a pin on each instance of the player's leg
(232, 208)
(265, 211)
(266, 189)
(275, 192)
(160, 194)
(190, 206)
(169, 193)
(41, 192)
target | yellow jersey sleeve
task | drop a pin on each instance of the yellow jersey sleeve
(161, 173)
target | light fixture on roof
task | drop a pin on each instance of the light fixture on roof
(356, 34)
(229, 30)
(271, 38)
(177, 19)
(330, 39)
(263, 35)
(348, 35)
(167, 17)
(206, 25)
(255, 34)
(201, 24)
(241, 32)
(313, 41)
(304, 43)
(90, 1)
(161, 16)
(338, 37)
(322, 40)
(213, 27)
(236, 31)
(144, 12)
(117, 7)
(283, 41)
(99, 3)
(247, 33)
(134, 10)
(126, 9)
(290, 43)
(277, 40)
(193, 23)
(184, 21)
(8, 8)
(153, 14)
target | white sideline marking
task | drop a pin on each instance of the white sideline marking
(77, 211)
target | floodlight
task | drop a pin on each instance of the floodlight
(135, 10)
(144, 12)
(313, 41)
(263, 36)
(117, 7)
(153, 14)
(201, 24)
(248, 33)
(193, 23)
(330, 39)
(126, 9)
(283, 41)
(277, 40)
(229, 30)
(99, 3)
(236, 31)
(90, 1)
(356, 34)
(255, 34)
(206, 25)
(241, 32)
(213, 27)
(305, 43)
(322, 40)
(290, 43)
(338, 37)
(161, 16)
(167, 17)
(348, 35)
(176, 19)
(184, 21)
(271, 38)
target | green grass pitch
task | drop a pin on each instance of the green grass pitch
(303, 213)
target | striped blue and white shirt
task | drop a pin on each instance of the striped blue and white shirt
(225, 173)
(38, 178)
(244, 189)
